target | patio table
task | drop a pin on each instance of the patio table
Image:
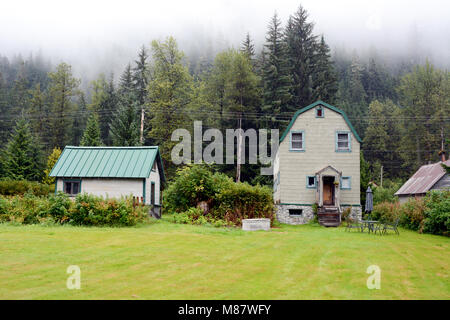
(370, 224)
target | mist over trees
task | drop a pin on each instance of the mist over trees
(400, 107)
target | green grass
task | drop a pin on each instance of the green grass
(168, 261)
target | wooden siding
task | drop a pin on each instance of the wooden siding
(320, 145)
(443, 183)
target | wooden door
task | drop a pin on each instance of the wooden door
(327, 194)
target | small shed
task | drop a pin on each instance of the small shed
(428, 177)
(111, 172)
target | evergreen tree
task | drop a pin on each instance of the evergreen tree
(23, 159)
(62, 88)
(170, 93)
(426, 106)
(248, 47)
(140, 77)
(324, 76)
(38, 112)
(277, 81)
(91, 136)
(124, 128)
(79, 122)
(126, 85)
(301, 47)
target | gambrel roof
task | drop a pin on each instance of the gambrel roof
(107, 162)
(326, 105)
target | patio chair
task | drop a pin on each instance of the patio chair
(384, 227)
(352, 224)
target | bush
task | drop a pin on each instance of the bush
(412, 214)
(228, 202)
(386, 193)
(437, 213)
(85, 210)
(385, 212)
(243, 201)
(20, 187)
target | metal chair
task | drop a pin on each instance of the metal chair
(384, 227)
(352, 224)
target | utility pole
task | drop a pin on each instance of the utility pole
(142, 126)
(381, 177)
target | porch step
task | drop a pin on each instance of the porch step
(329, 216)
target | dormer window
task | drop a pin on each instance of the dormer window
(343, 143)
(319, 112)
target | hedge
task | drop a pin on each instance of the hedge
(20, 187)
(84, 210)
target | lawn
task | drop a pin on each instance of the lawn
(169, 261)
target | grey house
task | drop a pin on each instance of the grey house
(428, 177)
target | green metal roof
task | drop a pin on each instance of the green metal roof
(325, 105)
(107, 162)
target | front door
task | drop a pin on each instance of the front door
(328, 191)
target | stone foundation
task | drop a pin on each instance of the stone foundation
(355, 214)
(283, 216)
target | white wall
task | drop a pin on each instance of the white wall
(107, 187)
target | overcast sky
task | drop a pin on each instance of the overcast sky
(85, 32)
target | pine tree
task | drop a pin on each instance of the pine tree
(248, 47)
(301, 46)
(51, 161)
(170, 93)
(38, 112)
(126, 81)
(23, 159)
(277, 82)
(140, 77)
(91, 136)
(124, 128)
(324, 76)
(79, 122)
(61, 90)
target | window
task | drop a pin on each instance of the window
(154, 166)
(319, 112)
(295, 212)
(343, 141)
(346, 183)
(311, 182)
(297, 141)
(72, 187)
(152, 193)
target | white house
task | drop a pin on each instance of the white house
(317, 162)
(111, 172)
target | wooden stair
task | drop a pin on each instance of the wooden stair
(329, 216)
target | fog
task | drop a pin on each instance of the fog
(102, 36)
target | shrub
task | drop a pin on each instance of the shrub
(386, 193)
(412, 214)
(242, 201)
(85, 210)
(193, 183)
(437, 213)
(20, 187)
(385, 212)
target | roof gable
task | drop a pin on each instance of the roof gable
(107, 162)
(326, 105)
